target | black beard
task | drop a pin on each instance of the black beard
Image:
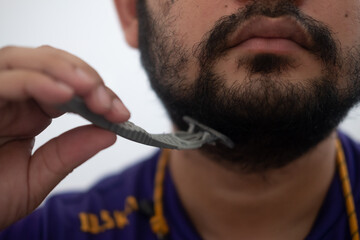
(271, 120)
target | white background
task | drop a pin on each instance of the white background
(90, 30)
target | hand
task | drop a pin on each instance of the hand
(32, 82)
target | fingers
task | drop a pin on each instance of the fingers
(62, 74)
(50, 61)
(75, 60)
(53, 161)
(116, 106)
(32, 82)
(22, 84)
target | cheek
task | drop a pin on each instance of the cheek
(194, 19)
(342, 17)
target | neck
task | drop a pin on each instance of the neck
(275, 204)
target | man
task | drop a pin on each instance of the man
(276, 77)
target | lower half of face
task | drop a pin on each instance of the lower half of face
(274, 105)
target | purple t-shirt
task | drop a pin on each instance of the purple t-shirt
(98, 213)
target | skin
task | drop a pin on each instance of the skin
(35, 80)
(340, 17)
(225, 205)
(32, 82)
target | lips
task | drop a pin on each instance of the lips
(282, 28)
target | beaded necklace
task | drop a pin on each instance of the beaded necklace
(160, 227)
(347, 192)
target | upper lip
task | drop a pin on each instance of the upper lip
(265, 27)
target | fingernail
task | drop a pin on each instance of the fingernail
(83, 76)
(103, 97)
(120, 108)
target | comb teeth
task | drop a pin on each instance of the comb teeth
(217, 135)
(128, 130)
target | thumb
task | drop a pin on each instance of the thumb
(57, 158)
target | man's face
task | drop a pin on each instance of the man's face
(275, 76)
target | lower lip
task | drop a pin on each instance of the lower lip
(270, 45)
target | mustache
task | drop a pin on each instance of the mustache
(215, 43)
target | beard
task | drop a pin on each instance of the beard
(271, 120)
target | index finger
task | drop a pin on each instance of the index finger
(68, 69)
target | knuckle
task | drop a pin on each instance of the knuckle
(46, 47)
(7, 55)
(51, 56)
(47, 51)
